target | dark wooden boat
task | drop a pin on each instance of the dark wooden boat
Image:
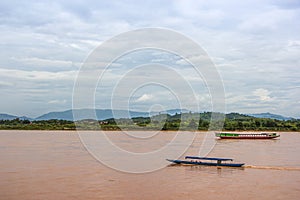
(228, 135)
(194, 160)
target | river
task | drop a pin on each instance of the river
(56, 165)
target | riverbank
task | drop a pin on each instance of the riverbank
(169, 123)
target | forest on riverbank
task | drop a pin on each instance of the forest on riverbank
(181, 121)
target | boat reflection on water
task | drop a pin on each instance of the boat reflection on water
(191, 171)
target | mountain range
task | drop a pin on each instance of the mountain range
(270, 115)
(11, 117)
(102, 114)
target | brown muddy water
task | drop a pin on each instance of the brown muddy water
(56, 165)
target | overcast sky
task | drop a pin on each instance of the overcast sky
(254, 44)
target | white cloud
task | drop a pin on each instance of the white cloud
(263, 94)
(6, 84)
(40, 62)
(269, 20)
(294, 43)
(57, 101)
(144, 98)
(16, 75)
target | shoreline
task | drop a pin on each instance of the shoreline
(115, 131)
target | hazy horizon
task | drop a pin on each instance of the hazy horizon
(142, 111)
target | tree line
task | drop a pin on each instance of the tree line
(180, 121)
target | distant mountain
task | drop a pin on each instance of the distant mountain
(11, 117)
(90, 114)
(7, 117)
(175, 111)
(25, 118)
(65, 115)
(270, 115)
(238, 116)
(102, 114)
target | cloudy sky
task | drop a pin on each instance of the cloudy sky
(255, 46)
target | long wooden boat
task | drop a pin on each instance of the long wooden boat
(228, 135)
(194, 160)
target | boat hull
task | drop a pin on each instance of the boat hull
(251, 136)
(206, 163)
(248, 137)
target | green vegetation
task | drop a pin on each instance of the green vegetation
(52, 124)
(184, 121)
